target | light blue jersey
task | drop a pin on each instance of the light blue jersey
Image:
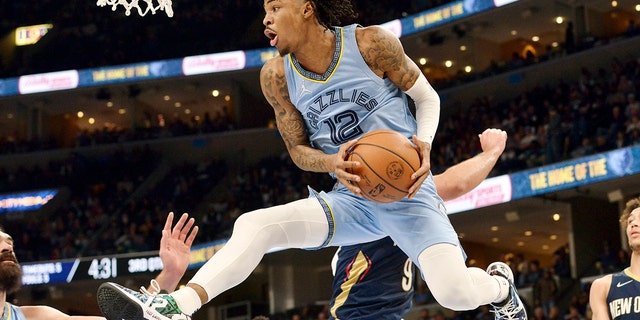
(12, 312)
(348, 100)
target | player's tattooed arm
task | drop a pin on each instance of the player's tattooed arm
(385, 55)
(289, 120)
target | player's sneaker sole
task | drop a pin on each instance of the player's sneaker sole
(116, 305)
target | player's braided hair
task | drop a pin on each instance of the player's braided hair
(631, 205)
(331, 12)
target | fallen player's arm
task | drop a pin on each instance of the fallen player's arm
(49, 313)
(466, 175)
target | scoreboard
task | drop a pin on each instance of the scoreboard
(109, 267)
(92, 268)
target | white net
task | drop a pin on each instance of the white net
(149, 6)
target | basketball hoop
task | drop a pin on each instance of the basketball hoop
(164, 5)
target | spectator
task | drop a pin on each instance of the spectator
(544, 291)
(608, 258)
(554, 137)
(521, 269)
(620, 141)
(538, 314)
(574, 314)
(438, 316)
(554, 314)
(585, 149)
(622, 260)
(632, 29)
(632, 107)
(569, 38)
(634, 140)
(484, 314)
(534, 274)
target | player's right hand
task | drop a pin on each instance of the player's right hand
(493, 140)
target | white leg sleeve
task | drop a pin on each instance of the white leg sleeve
(299, 224)
(452, 283)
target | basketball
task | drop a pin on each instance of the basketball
(387, 161)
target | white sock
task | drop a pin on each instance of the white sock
(187, 299)
(505, 288)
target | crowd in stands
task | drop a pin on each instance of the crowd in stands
(150, 130)
(103, 214)
(147, 130)
(96, 186)
(550, 122)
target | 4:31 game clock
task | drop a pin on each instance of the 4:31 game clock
(102, 268)
(111, 267)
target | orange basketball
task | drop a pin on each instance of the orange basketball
(387, 161)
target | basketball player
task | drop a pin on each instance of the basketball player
(374, 280)
(175, 245)
(328, 86)
(617, 296)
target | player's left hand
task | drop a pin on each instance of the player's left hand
(175, 244)
(424, 150)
